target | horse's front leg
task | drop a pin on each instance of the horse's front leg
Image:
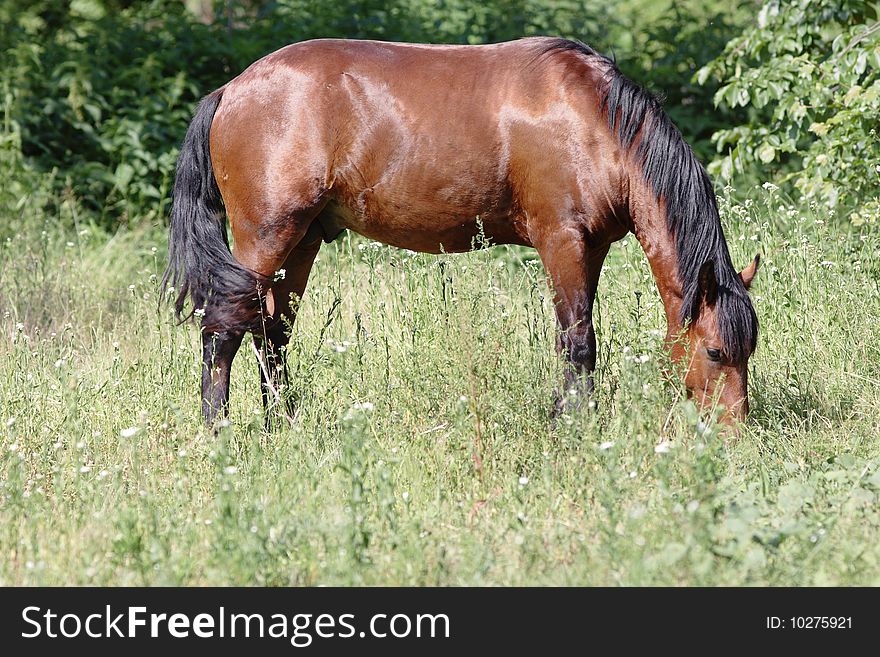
(573, 270)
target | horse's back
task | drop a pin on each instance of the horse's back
(445, 93)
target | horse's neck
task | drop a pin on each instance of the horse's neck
(651, 229)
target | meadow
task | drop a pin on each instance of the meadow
(422, 451)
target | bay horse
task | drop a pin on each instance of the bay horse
(540, 142)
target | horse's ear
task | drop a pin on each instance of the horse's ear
(708, 282)
(748, 274)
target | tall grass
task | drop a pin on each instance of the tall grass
(422, 451)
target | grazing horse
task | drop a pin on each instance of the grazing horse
(542, 138)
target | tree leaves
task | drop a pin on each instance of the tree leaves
(810, 72)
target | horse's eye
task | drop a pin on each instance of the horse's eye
(714, 354)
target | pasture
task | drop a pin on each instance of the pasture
(422, 451)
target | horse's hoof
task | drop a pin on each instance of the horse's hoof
(572, 403)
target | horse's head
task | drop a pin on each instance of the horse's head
(718, 343)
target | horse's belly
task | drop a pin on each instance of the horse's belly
(427, 225)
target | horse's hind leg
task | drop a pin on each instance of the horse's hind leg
(266, 246)
(282, 303)
(573, 268)
(218, 351)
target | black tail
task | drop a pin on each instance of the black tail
(226, 295)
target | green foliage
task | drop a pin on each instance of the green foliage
(809, 74)
(661, 47)
(104, 98)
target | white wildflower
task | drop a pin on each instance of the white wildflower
(663, 447)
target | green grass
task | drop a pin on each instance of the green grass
(422, 452)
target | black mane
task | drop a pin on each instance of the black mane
(676, 176)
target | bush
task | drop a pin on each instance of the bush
(809, 74)
(105, 99)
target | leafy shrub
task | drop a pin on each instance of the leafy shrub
(105, 98)
(809, 74)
